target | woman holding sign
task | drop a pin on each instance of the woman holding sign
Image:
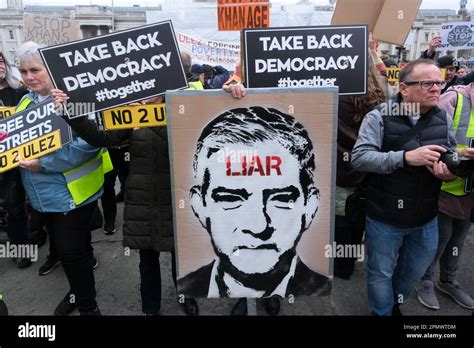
(63, 187)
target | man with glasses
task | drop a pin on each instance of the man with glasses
(399, 144)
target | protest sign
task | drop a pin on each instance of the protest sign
(6, 111)
(307, 57)
(241, 14)
(150, 115)
(119, 68)
(392, 74)
(32, 133)
(457, 36)
(210, 52)
(389, 20)
(246, 173)
(49, 31)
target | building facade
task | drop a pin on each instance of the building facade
(93, 20)
(96, 20)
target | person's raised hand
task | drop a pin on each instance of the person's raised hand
(237, 90)
(424, 156)
(59, 97)
(433, 44)
(373, 44)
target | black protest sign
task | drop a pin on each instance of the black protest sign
(119, 68)
(32, 133)
(307, 57)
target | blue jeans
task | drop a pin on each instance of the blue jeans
(452, 233)
(397, 259)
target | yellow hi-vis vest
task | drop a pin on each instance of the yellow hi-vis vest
(194, 86)
(86, 180)
(464, 128)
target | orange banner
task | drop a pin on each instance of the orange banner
(237, 2)
(236, 15)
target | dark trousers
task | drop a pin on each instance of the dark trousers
(346, 234)
(53, 251)
(452, 234)
(71, 235)
(17, 223)
(120, 170)
(150, 280)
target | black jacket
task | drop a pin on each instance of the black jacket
(148, 219)
(10, 182)
(408, 197)
(10, 96)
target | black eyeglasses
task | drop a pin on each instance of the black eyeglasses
(427, 84)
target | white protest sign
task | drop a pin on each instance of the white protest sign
(210, 52)
(457, 35)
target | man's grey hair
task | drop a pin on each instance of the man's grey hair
(10, 79)
(29, 50)
(256, 124)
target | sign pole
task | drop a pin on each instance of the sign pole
(113, 19)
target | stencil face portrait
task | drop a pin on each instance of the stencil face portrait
(254, 192)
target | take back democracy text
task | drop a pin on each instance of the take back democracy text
(322, 56)
(300, 42)
(117, 68)
(124, 70)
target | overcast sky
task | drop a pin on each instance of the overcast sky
(439, 4)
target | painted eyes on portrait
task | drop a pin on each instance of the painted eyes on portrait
(282, 199)
(229, 199)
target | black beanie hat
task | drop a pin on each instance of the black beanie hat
(445, 61)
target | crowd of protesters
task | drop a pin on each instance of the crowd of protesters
(416, 215)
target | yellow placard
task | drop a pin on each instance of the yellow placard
(151, 115)
(30, 150)
(392, 74)
(6, 111)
